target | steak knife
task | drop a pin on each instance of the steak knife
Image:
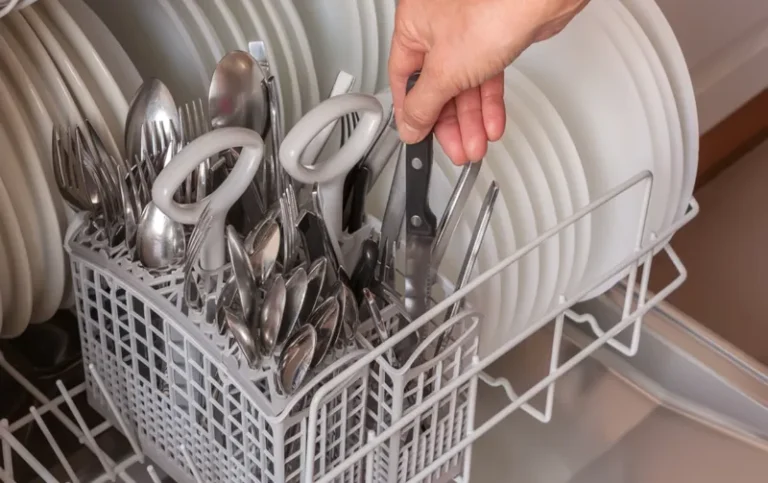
(421, 223)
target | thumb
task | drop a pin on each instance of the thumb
(424, 103)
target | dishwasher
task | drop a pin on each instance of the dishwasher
(147, 375)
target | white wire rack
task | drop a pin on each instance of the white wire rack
(420, 429)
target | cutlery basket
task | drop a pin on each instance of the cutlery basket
(397, 391)
(193, 408)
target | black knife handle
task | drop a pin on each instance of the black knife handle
(418, 172)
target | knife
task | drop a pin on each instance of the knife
(392, 222)
(420, 225)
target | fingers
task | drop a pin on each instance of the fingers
(448, 133)
(494, 111)
(424, 103)
(469, 110)
(404, 60)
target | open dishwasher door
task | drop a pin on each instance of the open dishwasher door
(687, 407)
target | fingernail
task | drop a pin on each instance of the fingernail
(409, 134)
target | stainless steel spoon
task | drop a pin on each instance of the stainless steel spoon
(238, 94)
(263, 248)
(152, 103)
(271, 316)
(244, 335)
(295, 360)
(350, 314)
(241, 266)
(316, 279)
(324, 319)
(296, 291)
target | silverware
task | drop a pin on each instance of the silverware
(263, 248)
(392, 222)
(420, 226)
(237, 96)
(296, 291)
(241, 266)
(452, 214)
(244, 334)
(478, 235)
(227, 297)
(350, 315)
(152, 102)
(325, 319)
(365, 269)
(295, 359)
(271, 317)
(315, 281)
(369, 299)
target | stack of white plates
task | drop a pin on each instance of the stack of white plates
(58, 66)
(308, 42)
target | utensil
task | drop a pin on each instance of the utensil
(350, 314)
(369, 299)
(241, 266)
(153, 102)
(237, 96)
(354, 208)
(478, 234)
(221, 199)
(365, 269)
(392, 222)
(295, 293)
(226, 298)
(325, 319)
(244, 335)
(295, 359)
(263, 247)
(420, 227)
(453, 210)
(315, 282)
(331, 173)
(271, 318)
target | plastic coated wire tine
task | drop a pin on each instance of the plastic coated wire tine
(54, 445)
(22, 451)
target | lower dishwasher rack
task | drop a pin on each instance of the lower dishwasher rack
(537, 398)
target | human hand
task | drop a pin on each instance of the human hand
(461, 48)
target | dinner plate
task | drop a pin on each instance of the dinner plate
(201, 32)
(385, 14)
(224, 24)
(569, 160)
(17, 285)
(647, 87)
(489, 296)
(334, 32)
(666, 46)
(504, 237)
(288, 60)
(516, 194)
(51, 261)
(310, 88)
(23, 202)
(78, 80)
(254, 29)
(370, 32)
(109, 49)
(156, 40)
(604, 114)
(670, 109)
(104, 82)
(546, 157)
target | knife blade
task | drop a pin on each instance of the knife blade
(421, 223)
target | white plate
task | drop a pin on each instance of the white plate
(544, 211)
(670, 110)
(646, 85)
(155, 39)
(23, 203)
(99, 72)
(546, 157)
(17, 282)
(334, 32)
(385, 14)
(287, 60)
(224, 24)
(78, 80)
(310, 89)
(604, 114)
(51, 256)
(370, 46)
(254, 29)
(664, 42)
(201, 32)
(513, 186)
(111, 52)
(504, 237)
(568, 156)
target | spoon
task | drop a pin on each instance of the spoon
(152, 102)
(263, 248)
(350, 314)
(378, 323)
(243, 334)
(324, 319)
(271, 315)
(241, 266)
(296, 291)
(238, 94)
(295, 359)
(315, 281)
(225, 299)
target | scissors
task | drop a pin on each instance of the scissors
(331, 173)
(220, 200)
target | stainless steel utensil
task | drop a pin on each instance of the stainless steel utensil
(325, 319)
(369, 299)
(295, 359)
(244, 334)
(296, 291)
(263, 247)
(315, 281)
(271, 317)
(237, 96)
(152, 102)
(241, 266)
